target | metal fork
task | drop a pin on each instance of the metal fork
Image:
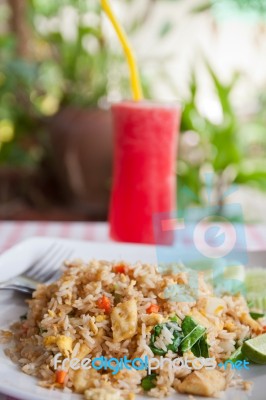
(45, 270)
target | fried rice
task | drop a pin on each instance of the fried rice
(70, 317)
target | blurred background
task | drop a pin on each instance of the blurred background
(60, 67)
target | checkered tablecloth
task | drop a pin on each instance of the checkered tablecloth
(13, 232)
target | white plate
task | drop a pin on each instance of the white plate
(12, 381)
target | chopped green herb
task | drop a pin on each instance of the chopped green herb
(176, 341)
(193, 333)
(175, 318)
(201, 348)
(256, 315)
(237, 355)
(147, 383)
(42, 330)
(177, 334)
(23, 317)
(156, 332)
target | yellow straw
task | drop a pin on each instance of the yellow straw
(134, 75)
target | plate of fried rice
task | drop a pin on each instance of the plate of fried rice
(110, 329)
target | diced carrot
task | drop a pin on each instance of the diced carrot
(154, 308)
(264, 328)
(60, 376)
(121, 269)
(104, 303)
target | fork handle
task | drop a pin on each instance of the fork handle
(18, 288)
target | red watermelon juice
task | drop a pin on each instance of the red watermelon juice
(144, 177)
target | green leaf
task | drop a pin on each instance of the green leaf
(148, 383)
(223, 90)
(165, 29)
(155, 333)
(176, 319)
(205, 6)
(236, 355)
(176, 342)
(201, 348)
(192, 331)
(256, 315)
(177, 334)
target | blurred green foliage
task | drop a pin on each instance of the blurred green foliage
(233, 149)
(58, 71)
(76, 66)
(69, 63)
(257, 7)
(18, 114)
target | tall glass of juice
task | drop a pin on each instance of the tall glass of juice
(144, 172)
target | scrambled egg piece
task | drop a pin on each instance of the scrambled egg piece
(230, 326)
(153, 319)
(207, 322)
(99, 336)
(92, 326)
(131, 396)
(49, 340)
(84, 350)
(124, 318)
(212, 305)
(102, 394)
(246, 319)
(51, 313)
(203, 383)
(200, 319)
(83, 379)
(100, 318)
(64, 343)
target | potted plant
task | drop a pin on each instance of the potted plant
(50, 87)
(80, 129)
(61, 76)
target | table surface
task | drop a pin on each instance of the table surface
(13, 232)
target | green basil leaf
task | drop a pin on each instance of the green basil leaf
(256, 315)
(201, 348)
(155, 333)
(156, 351)
(188, 324)
(178, 336)
(192, 331)
(147, 383)
(176, 342)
